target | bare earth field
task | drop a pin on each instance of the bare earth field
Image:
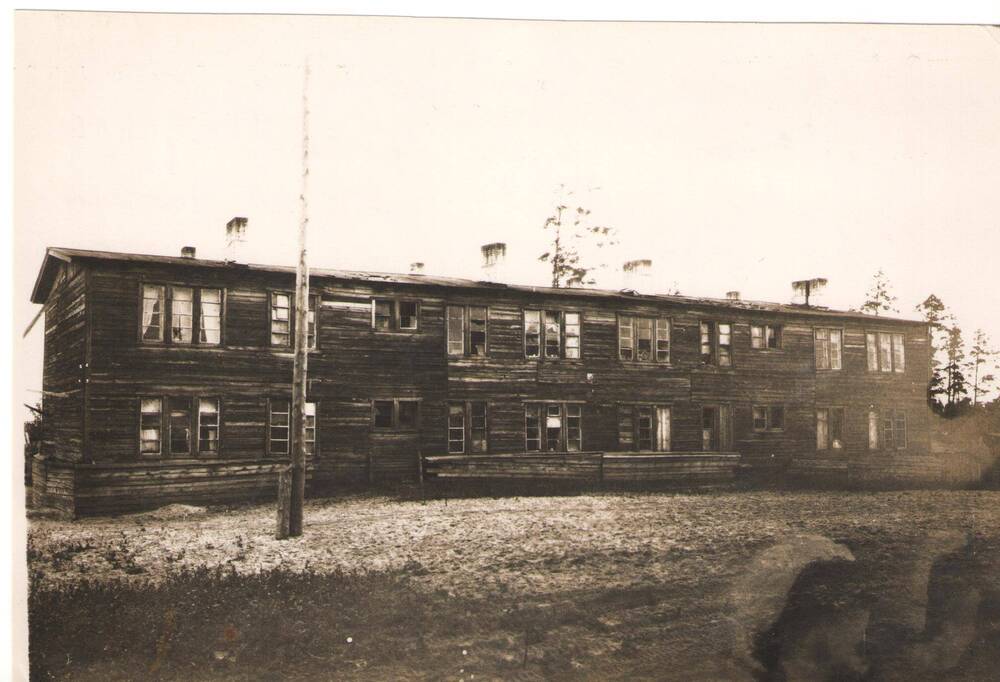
(743, 585)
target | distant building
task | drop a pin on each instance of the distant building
(169, 378)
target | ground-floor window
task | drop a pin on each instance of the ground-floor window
(178, 426)
(716, 428)
(467, 429)
(553, 427)
(652, 428)
(279, 427)
(886, 429)
(768, 417)
(830, 428)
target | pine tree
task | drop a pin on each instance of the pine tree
(879, 298)
(938, 319)
(955, 388)
(982, 361)
(564, 254)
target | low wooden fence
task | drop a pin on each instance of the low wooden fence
(687, 469)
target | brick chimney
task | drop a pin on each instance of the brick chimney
(188, 252)
(806, 291)
(637, 274)
(494, 261)
(236, 239)
(733, 295)
(416, 268)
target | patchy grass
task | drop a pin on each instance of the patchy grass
(608, 586)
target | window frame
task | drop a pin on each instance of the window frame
(159, 427)
(468, 427)
(829, 349)
(831, 412)
(315, 301)
(776, 333)
(395, 426)
(542, 334)
(166, 315)
(541, 409)
(769, 412)
(269, 452)
(630, 321)
(893, 417)
(165, 426)
(654, 427)
(466, 333)
(715, 354)
(394, 314)
(897, 352)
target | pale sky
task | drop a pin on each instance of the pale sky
(735, 156)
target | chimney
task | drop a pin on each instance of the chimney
(805, 291)
(236, 239)
(416, 268)
(188, 252)
(637, 274)
(733, 295)
(494, 261)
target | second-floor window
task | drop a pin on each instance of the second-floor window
(886, 352)
(552, 334)
(717, 343)
(181, 315)
(828, 348)
(283, 320)
(765, 336)
(389, 314)
(467, 330)
(396, 413)
(643, 339)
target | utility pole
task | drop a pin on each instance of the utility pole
(292, 483)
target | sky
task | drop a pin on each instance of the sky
(735, 156)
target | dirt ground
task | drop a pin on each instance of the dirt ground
(662, 586)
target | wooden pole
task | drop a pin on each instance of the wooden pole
(298, 464)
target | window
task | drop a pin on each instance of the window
(192, 315)
(552, 332)
(652, 428)
(717, 343)
(768, 417)
(886, 430)
(467, 427)
(279, 427)
(644, 339)
(886, 352)
(467, 330)
(392, 315)
(150, 415)
(283, 320)
(830, 428)
(553, 427)
(398, 413)
(828, 348)
(644, 428)
(179, 424)
(765, 336)
(153, 306)
(208, 425)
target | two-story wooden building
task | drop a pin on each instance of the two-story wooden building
(169, 378)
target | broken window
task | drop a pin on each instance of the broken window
(553, 332)
(828, 348)
(477, 330)
(180, 426)
(643, 339)
(532, 333)
(768, 417)
(396, 413)
(153, 303)
(553, 427)
(382, 314)
(532, 428)
(707, 336)
(281, 321)
(765, 336)
(456, 428)
(407, 314)
(473, 318)
(150, 416)
(208, 425)
(456, 330)
(181, 314)
(278, 426)
(725, 344)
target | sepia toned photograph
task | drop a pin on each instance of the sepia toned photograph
(451, 348)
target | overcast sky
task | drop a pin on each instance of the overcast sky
(735, 156)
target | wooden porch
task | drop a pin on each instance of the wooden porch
(681, 469)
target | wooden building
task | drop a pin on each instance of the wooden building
(169, 378)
